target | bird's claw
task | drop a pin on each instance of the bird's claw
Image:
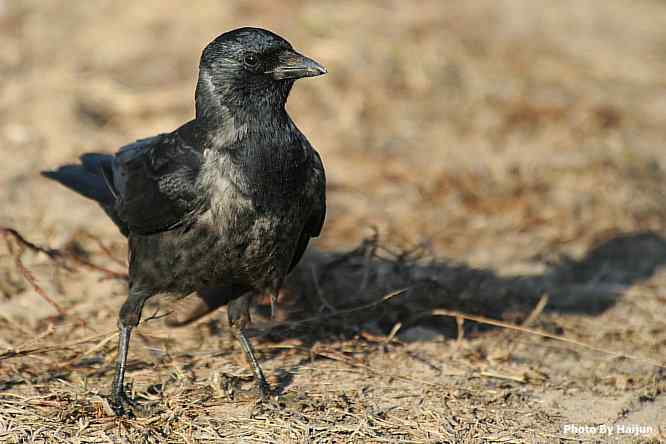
(123, 405)
(261, 391)
(265, 391)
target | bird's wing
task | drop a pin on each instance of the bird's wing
(315, 221)
(154, 182)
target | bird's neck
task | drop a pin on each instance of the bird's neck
(233, 104)
(230, 117)
(230, 125)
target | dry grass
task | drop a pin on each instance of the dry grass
(509, 154)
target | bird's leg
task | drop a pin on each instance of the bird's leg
(277, 285)
(262, 384)
(130, 314)
(239, 317)
(274, 299)
(118, 397)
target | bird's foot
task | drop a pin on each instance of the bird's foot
(264, 389)
(261, 391)
(266, 401)
(123, 405)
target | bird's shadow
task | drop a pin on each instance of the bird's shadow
(325, 283)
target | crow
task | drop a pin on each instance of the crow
(226, 204)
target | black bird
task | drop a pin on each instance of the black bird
(228, 201)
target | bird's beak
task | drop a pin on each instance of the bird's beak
(292, 65)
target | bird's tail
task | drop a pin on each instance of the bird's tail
(91, 178)
(87, 178)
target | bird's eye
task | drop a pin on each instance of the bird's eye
(251, 60)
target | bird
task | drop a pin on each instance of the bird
(223, 206)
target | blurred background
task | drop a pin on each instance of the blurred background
(502, 134)
(444, 122)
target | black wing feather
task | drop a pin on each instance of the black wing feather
(157, 184)
(315, 222)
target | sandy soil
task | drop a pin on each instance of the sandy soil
(510, 157)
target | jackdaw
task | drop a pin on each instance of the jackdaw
(228, 201)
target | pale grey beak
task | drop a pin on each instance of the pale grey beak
(292, 65)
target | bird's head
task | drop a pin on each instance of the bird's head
(250, 67)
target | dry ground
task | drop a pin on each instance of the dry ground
(507, 151)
